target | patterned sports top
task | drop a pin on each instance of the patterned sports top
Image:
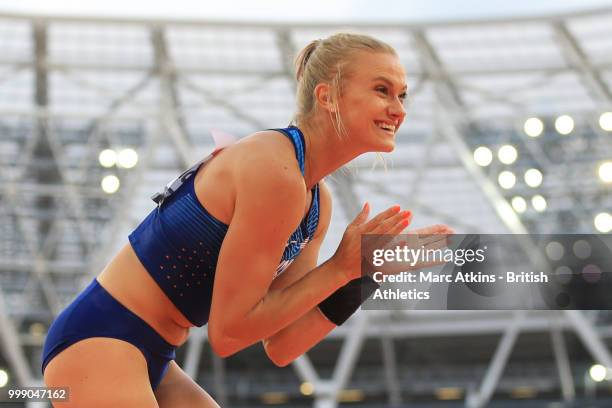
(179, 241)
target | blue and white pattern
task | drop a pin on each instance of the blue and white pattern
(179, 241)
(284, 264)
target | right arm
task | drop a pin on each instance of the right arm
(269, 206)
(246, 307)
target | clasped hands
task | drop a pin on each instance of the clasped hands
(380, 235)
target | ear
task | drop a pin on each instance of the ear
(323, 97)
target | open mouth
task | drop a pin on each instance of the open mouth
(387, 127)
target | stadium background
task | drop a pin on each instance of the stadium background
(151, 90)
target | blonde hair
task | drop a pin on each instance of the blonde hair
(326, 61)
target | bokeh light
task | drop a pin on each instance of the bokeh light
(533, 127)
(110, 184)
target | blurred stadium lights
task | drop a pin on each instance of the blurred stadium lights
(533, 127)
(110, 184)
(158, 87)
(519, 204)
(564, 124)
(507, 154)
(506, 179)
(4, 378)
(539, 203)
(306, 388)
(483, 156)
(603, 222)
(598, 372)
(605, 121)
(107, 158)
(533, 177)
(449, 393)
(127, 158)
(274, 398)
(605, 172)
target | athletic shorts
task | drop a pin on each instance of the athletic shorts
(95, 313)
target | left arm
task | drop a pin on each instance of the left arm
(294, 340)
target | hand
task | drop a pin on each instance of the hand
(388, 223)
(415, 243)
(431, 237)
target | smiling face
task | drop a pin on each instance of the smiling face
(372, 101)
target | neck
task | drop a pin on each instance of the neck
(326, 151)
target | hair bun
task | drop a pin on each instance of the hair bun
(302, 59)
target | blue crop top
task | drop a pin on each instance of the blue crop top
(179, 241)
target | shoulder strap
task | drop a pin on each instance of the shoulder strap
(221, 139)
(172, 186)
(313, 216)
(297, 138)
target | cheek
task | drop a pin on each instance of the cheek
(359, 120)
(360, 109)
(351, 112)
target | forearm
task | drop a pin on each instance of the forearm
(281, 307)
(297, 338)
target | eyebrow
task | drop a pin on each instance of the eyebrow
(388, 81)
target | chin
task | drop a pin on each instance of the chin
(389, 145)
(384, 148)
(385, 144)
(388, 148)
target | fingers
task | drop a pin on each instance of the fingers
(393, 221)
(386, 233)
(402, 225)
(434, 229)
(428, 239)
(439, 244)
(394, 224)
(363, 215)
(369, 226)
(376, 241)
(433, 234)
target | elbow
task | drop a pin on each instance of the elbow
(280, 360)
(277, 357)
(222, 345)
(221, 350)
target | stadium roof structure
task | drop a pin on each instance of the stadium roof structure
(71, 87)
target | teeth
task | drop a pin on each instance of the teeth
(386, 126)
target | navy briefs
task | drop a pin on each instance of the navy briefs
(95, 313)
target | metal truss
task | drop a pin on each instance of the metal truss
(57, 230)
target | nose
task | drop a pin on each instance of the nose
(397, 110)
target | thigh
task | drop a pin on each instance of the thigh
(101, 372)
(178, 390)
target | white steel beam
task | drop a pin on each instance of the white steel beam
(148, 22)
(563, 365)
(497, 365)
(391, 376)
(589, 336)
(13, 352)
(450, 107)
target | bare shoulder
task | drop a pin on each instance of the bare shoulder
(261, 167)
(268, 158)
(266, 171)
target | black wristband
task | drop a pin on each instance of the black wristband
(341, 304)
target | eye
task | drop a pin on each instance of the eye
(403, 97)
(382, 89)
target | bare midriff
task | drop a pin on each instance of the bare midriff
(126, 279)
